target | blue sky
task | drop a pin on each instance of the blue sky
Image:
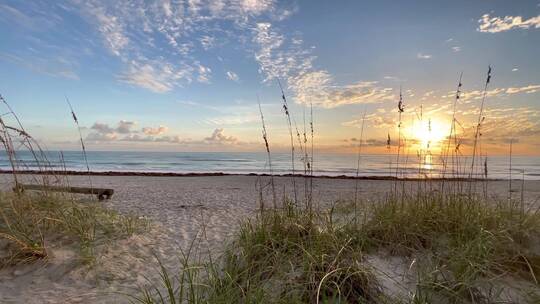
(185, 75)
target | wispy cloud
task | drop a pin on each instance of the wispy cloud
(232, 76)
(153, 77)
(456, 49)
(394, 78)
(278, 56)
(488, 24)
(423, 56)
(527, 89)
(111, 28)
(469, 96)
(54, 66)
(286, 58)
(521, 124)
(316, 88)
(380, 120)
(133, 32)
(207, 42)
(33, 17)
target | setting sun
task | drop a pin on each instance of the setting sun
(428, 134)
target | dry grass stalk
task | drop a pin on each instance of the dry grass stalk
(401, 109)
(312, 155)
(10, 135)
(453, 135)
(481, 118)
(74, 116)
(267, 146)
(289, 125)
(359, 154)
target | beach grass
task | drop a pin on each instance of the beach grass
(32, 223)
(464, 246)
(458, 249)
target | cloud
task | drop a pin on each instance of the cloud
(370, 142)
(151, 138)
(489, 24)
(101, 137)
(235, 119)
(327, 96)
(528, 89)
(515, 69)
(104, 132)
(157, 45)
(379, 120)
(456, 49)
(56, 66)
(286, 59)
(278, 57)
(124, 132)
(469, 96)
(124, 126)
(232, 76)
(133, 31)
(423, 56)
(111, 29)
(155, 131)
(218, 136)
(151, 76)
(204, 73)
(256, 6)
(102, 128)
(502, 124)
(393, 78)
(207, 42)
(32, 17)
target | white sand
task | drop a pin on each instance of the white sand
(178, 207)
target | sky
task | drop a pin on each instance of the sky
(188, 75)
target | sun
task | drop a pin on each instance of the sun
(429, 134)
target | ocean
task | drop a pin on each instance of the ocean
(327, 164)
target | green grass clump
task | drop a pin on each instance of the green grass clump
(462, 249)
(287, 257)
(31, 223)
(462, 243)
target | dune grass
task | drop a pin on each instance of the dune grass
(30, 223)
(460, 250)
(464, 246)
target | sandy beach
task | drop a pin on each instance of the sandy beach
(177, 208)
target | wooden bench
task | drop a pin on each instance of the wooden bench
(102, 193)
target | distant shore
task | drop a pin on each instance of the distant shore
(188, 174)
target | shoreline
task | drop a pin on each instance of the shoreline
(202, 174)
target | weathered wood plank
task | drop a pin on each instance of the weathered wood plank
(101, 193)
